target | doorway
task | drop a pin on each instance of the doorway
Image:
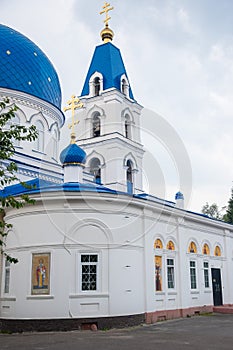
(217, 286)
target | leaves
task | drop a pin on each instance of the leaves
(9, 133)
(212, 211)
(228, 217)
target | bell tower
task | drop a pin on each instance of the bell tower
(109, 123)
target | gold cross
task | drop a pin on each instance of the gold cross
(73, 104)
(106, 9)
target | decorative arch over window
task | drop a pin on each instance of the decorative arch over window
(96, 125)
(217, 251)
(205, 249)
(170, 245)
(95, 169)
(192, 247)
(96, 84)
(39, 143)
(158, 244)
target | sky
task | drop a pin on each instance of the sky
(179, 59)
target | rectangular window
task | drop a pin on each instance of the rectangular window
(193, 276)
(89, 264)
(170, 273)
(206, 274)
(7, 277)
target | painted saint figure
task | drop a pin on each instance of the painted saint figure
(40, 274)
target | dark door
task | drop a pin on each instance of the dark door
(217, 286)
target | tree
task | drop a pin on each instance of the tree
(228, 217)
(9, 133)
(212, 211)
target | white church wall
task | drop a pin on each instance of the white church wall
(121, 231)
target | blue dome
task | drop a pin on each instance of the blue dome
(24, 67)
(179, 195)
(73, 154)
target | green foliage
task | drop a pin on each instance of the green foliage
(212, 211)
(228, 217)
(9, 133)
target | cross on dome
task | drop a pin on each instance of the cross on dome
(107, 33)
(73, 104)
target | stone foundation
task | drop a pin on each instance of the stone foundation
(163, 315)
(49, 325)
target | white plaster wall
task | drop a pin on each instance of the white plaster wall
(122, 233)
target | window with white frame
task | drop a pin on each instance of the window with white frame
(170, 274)
(206, 274)
(193, 275)
(7, 277)
(89, 270)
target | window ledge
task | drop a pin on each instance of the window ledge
(208, 291)
(194, 292)
(93, 295)
(160, 293)
(8, 299)
(172, 293)
(39, 297)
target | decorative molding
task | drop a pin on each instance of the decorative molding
(40, 105)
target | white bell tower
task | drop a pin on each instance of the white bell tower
(109, 128)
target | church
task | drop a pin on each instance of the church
(95, 248)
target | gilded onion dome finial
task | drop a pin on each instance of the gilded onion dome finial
(107, 33)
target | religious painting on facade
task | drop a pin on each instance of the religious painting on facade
(217, 251)
(158, 273)
(206, 249)
(158, 244)
(170, 245)
(192, 248)
(40, 273)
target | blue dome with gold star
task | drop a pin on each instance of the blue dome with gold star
(24, 67)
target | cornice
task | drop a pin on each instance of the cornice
(21, 98)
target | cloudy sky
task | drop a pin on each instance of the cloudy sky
(179, 59)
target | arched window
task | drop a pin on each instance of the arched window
(158, 244)
(39, 143)
(96, 83)
(171, 245)
(129, 175)
(192, 248)
(206, 249)
(217, 251)
(95, 169)
(55, 144)
(96, 125)
(127, 127)
(124, 86)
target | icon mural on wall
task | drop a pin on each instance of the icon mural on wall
(40, 273)
(158, 273)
